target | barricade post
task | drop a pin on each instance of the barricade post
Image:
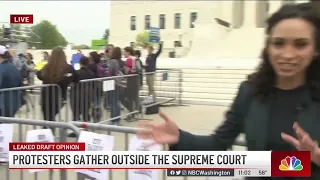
(176, 79)
(48, 124)
(28, 101)
(165, 85)
(103, 98)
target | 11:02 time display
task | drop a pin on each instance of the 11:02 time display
(244, 172)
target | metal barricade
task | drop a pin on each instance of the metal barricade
(118, 131)
(164, 84)
(20, 134)
(163, 87)
(28, 101)
(104, 100)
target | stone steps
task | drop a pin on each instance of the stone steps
(214, 86)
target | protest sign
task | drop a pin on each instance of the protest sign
(39, 135)
(6, 135)
(137, 144)
(154, 35)
(96, 142)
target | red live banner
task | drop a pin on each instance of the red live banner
(291, 164)
(21, 19)
(43, 146)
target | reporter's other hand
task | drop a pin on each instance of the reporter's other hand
(166, 132)
(303, 142)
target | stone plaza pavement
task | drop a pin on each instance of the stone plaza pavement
(196, 119)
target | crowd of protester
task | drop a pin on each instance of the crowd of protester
(54, 69)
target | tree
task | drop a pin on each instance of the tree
(82, 46)
(106, 34)
(142, 40)
(47, 34)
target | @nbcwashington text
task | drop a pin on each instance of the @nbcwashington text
(198, 172)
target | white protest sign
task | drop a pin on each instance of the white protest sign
(137, 144)
(6, 135)
(39, 135)
(96, 142)
(108, 85)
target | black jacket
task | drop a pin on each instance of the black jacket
(64, 81)
(246, 115)
(82, 93)
(151, 61)
(93, 67)
(85, 73)
(52, 97)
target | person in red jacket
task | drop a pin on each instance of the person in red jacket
(133, 83)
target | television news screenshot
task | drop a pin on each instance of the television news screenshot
(160, 90)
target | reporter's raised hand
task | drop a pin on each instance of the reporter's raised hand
(303, 142)
(166, 132)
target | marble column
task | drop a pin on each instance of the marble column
(250, 13)
(262, 13)
(238, 13)
(274, 6)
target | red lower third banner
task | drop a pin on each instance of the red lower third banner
(291, 164)
(45, 146)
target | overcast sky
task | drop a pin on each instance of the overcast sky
(78, 21)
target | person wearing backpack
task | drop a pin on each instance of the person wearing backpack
(30, 65)
(115, 69)
(28, 73)
(139, 66)
(23, 69)
(97, 68)
(133, 82)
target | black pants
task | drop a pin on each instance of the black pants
(80, 102)
(132, 93)
(51, 104)
(81, 110)
(51, 107)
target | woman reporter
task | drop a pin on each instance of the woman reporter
(278, 106)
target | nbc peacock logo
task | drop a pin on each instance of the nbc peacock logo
(290, 164)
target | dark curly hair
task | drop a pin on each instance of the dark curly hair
(263, 80)
(95, 56)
